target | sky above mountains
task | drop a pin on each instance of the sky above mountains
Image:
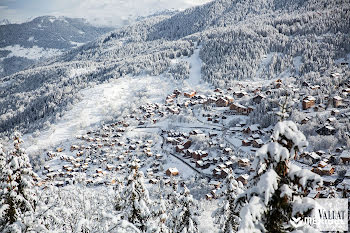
(100, 12)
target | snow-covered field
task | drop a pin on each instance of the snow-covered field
(34, 53)
(101, 103)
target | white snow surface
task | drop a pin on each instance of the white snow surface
(297, 62)
(76, 44)
(267, 185)
(263, 65)
(195, 69)
(101, 103)
(81, 71)
(304, 175)
(34, 53)
(251, 213)
(289, 130)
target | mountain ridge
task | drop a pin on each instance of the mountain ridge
(22, 45)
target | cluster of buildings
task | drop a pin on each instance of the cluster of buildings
(101, 155)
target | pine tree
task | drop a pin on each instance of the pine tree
(2, 163)
(285, 107)
(187, 213)
(277, 186)
(160, 216)
(118, 194)
(17, 196)
(226, 216)
(3, 159)
(173, 203)
(136, 200)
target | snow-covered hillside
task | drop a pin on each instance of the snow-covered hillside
(226, 117)
(261, 40)
(106, 101)
(102, 103)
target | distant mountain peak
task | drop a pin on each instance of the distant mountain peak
(25, 43)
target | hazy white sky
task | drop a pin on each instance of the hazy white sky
(111, 12)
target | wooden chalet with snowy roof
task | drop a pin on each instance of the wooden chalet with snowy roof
(241, 109)
(308, 102)
(240, 94)
(258, 98)
(257, 143)
(345, 157)
(243, 162)
(172, 171)
(337, 101)
(252, 129)
(323, 169)
(326, 130)
(190, 94)
(335, 75)
(311, 158)
(246, 142)
(243, 178)
(222, 102)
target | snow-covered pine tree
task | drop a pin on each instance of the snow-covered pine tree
(136, 201)
(173, 202)
(277, 186)
(2, 162)
(159, 211)
(285, 107)
(118, 194)
(17, 197)
(226, 216)
(187, 213)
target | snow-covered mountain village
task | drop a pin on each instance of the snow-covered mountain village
(229, 116)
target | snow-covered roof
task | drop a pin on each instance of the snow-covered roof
(310, 98)
(173, 169)
(239, 105)
(323, 164)
(345, 154)
(254, 127)
(331, 119)
(259, 141)
(312, 194)
(244, 160)
(245, 176)
(214, 182)
(329, 127)
(200, 162)
(314, 155)
(347, 174)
